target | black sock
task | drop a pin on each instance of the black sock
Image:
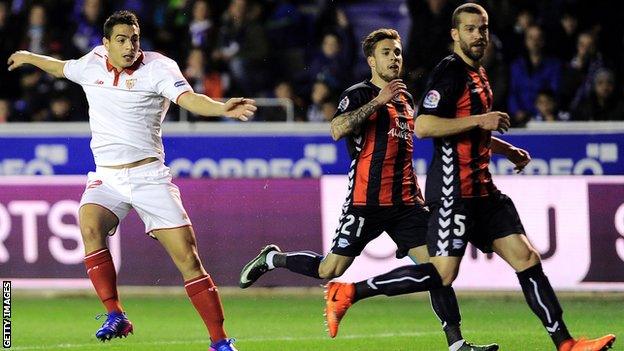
(541, 298)
(302, 262)
(444, 303)
(402, 280)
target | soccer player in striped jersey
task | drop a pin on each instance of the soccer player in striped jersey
(465, 205)
(376, 117)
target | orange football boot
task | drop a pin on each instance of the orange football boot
(582, 344)
(338, 299)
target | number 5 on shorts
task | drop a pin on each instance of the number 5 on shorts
(459, 220)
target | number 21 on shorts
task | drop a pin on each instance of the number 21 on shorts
(350, 220)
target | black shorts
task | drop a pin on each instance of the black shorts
(478, 221)
(359, 225)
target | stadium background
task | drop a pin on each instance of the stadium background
(280, 178)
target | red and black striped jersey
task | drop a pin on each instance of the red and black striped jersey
(459, 167)
(381, 171)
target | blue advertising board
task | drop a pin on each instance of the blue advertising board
(301, 156)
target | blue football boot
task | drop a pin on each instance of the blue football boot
(223, 345)
(116, 325)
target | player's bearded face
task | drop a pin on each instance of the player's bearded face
(123, 45)
(388, 59)
(473, 35)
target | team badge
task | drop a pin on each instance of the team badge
(344, 103)
(431, 99)
(130, 83)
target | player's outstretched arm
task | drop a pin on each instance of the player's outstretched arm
(346, 123)
(517, 156)
(430, 126)
(45, 63)
(239, 108)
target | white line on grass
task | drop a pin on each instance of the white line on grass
(246, 340)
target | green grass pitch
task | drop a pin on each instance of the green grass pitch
(264, 321)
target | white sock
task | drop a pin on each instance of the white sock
(456, 345)
(269, 259)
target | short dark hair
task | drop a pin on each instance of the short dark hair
(466, 8)
(119, 17)
(368, 45)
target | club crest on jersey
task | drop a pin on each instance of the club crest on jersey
(431, 99)
(130, 83)
(344, 103)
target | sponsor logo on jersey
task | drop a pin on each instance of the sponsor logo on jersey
(94, 184)
(179, 83)
(402, 129)
(344, 103)
(431, 99)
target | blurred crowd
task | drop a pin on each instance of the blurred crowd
(558, 60)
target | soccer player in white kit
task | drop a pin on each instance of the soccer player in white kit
(129, 92)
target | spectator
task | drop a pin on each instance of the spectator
(580, 73)
(287, 32)
(283, 90)
(498, 73)
(242, 46)
(33, 102)
(529, 74)
(602, 104)
(566, 36)
(5, 111)
(516, 34)
(88, 31)
(429, 39)
(202, 31)
(203, 80)
(60, 109)
(7, 45)
(333, 19)
(548, 109)
(329, 109)
(37, 36)
(321, 92)
(330, 64)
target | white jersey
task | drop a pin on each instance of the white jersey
(126, 108)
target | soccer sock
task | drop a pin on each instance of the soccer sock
(205, 297)
(541, 298)
(302, 262)
(402, 280)
(101, 271)
(444, 304)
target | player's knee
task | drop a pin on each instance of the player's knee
(447, 278)
(187, 262)
(447, 273)
(532, 257)
(92, 233)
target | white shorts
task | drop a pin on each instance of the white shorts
(146, 188)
